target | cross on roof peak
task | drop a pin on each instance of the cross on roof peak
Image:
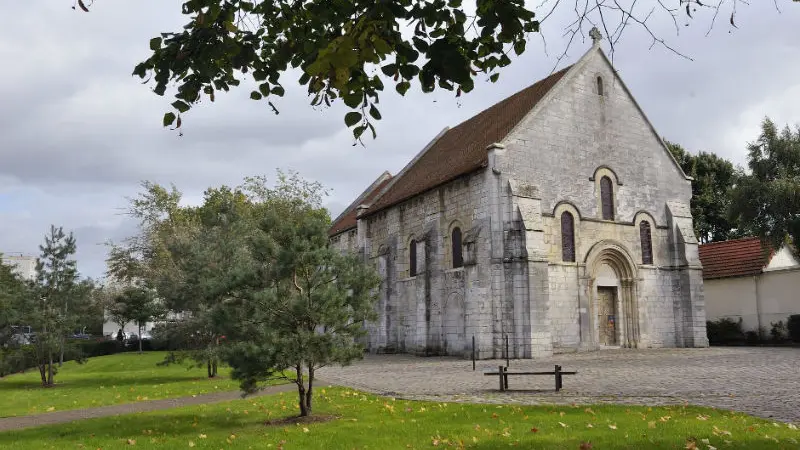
(594, 33)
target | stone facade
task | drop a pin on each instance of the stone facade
(515, 281)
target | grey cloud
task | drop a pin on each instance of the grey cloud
(78, 132)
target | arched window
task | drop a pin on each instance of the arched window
(567, 237)
(607, 198)
(412, 258)
(600, 86)
(455, 242)
(647, 242)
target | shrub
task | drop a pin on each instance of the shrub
(793, 326)
(778, 332)
(725, 331)
(752, 337)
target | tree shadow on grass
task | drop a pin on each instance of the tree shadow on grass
(185, 424)
(27, 384)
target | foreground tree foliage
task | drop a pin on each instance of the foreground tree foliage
(253, 279)
(768, 198)
(306, 305)
(348, 49)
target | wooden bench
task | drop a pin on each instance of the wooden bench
(503, 373)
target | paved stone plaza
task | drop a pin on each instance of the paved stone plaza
(761, 381)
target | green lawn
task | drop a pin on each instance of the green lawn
(367, 421)
(107, 380)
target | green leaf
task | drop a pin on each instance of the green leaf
(402, 87)
(352, 118)
(493, 78)
(255, 95)
(180, 106)
(278, 90)
(519, 47)
(155, 43)
(389, 69)
(373, 111)
(169, 118)
(358, 131)
(352, 99)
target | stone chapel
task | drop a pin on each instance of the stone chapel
(556, 217)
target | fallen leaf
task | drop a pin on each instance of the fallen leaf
(691, 445)
(651, 424)
(589, 411)
(203, 436)
(612, 426)
(588, 425)
(52, 408)
(305, 430)
(191, 443)
(705, 441)
(131, 442)
(563, 424)
(534, 430)
(585, 446)
(702, 417)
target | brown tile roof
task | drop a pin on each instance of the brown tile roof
(462, 149)
(347, 220)
(738, 257)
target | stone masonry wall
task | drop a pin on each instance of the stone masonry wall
(438, 310)
(575, 138)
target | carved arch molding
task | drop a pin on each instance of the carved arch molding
(620, 261)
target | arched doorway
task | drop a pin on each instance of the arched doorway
(613, 304)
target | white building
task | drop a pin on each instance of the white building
(744, 280)
(24, 265)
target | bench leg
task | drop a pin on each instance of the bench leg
(500, 377)
(558, 378)
(505, 377)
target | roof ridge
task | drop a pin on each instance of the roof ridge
(461, 149)
(743, 239)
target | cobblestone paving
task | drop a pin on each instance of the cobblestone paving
(761, 381)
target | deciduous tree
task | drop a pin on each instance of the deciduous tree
(713, 178)
(351, 50)
(767, 199)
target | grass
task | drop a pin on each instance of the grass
(367, 421)
(107, 380)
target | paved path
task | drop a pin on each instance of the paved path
(761, 381)
(15, 423)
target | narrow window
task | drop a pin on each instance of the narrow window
(567, 237)
(412, 258)
(607, 198)
(600, 86)
(458, 259)
(647, 242)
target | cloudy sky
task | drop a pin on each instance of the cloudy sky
(78, 132)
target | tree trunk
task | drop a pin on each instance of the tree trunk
(301, 390)
(208, 362)
(61, 357)
(214, 367)
(140, 337)
(310, 387)
(42, 371)
(50, 369)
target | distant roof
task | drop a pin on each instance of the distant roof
(734, 258)
(462, 149)
(347, 219)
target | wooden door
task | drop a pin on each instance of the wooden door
(607, 316)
